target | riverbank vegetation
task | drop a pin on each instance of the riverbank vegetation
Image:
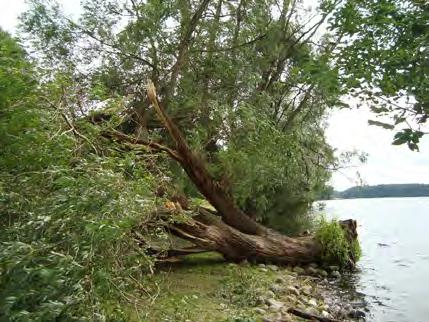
(105, 176)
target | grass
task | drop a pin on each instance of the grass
(205, 288)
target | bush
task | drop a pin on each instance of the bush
(336, 249)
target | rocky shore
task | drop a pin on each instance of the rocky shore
(310, 290)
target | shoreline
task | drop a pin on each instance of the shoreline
(245, 292)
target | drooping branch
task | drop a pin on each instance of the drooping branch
(119, 136)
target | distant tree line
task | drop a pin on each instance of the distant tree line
(380, 191)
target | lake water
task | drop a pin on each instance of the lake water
(394, 268)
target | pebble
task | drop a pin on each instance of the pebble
(280, 280)
(275, 305)
(311, 271)
(292, 290)
(263, 269)
(312, 302)
(299, 270)
(307, 289)
(322, 273)
(356, 314)
(260, 311)
(325, 314)
(335, 274)
(334, 268)
(277, 289)
(270, 294)
(273, 267)
(261, 265)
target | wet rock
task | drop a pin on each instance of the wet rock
(299, 270)
(335, 274)
(260, 311)
(273, 267)
(292, 290)
(356, 314)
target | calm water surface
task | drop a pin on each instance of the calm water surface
(394, 269)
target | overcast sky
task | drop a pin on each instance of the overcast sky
(348, 130)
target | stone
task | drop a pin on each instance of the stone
(291, 299)
(273, 267)
(263, 269)
(280, 280)
(311, 271)
(314, 265)
(356, 314)
(270, 294)
(307, 289)
(335, 274)
(292, 290)
(322, 273)
(334, 268)
(299, 270)
(286, 317)
(261, 265)
(260, 300)
(312, 302)
(260, 311)
(325, 314)
(277, 289)
(244, 262)
(275, 305)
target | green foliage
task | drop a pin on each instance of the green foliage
(336, 249)
(355, 250)
(384, 61)
(67, 247)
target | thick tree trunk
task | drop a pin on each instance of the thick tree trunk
(209, 232)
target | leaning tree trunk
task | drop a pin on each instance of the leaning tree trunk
(233, 233)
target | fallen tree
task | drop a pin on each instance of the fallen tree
(230, 231)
